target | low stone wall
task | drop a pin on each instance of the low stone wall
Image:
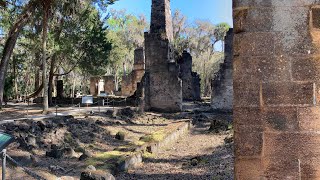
(154, 147)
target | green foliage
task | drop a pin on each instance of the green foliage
(95, 47)
(221, 31)
(126, 33)
(85, 44)
(207, 65)
(8, 87)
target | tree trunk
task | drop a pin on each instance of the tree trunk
(37, 71)
(44, 58)
(51, 76)
(73, 85)
(15, 79)
(36, 93)
(222, 45)
(11, 42)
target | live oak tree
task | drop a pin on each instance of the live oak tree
(27, 13)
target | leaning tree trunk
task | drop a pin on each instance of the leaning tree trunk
(44, 58)
(11, 42)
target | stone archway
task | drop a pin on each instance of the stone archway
(276, 89)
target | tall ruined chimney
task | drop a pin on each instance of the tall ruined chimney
(164, 87)
(161, 20)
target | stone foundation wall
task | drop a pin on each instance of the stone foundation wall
(222, 85)
(276, 89)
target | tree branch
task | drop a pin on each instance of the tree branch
(66, 72)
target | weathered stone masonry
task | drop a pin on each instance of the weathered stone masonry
(129, 82)
(190, 80)
(108, 85)
(164, 87)
(276, 89)
(222, 85)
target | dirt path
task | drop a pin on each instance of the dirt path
(198, 155)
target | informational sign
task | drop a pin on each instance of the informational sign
(102, 95)
(87, 100)
(5, 140)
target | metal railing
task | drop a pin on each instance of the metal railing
(5, 156)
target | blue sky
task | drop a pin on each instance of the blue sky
(216, 11)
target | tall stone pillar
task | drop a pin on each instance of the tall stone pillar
(276, 89)
(94, 81)
(60, 92)
(222, 86)
(138, 66)
(164, 91)
(190, 80)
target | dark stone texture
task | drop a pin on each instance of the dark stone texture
(164, 87)
(222, 85)
(130, 81)
(276, 89)
(190, 80)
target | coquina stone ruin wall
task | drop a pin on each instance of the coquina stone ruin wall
(164, 87)
(104, 83)
(93, 85)
(190, 80)
(276, 89)
(222, 84)
(130, 81)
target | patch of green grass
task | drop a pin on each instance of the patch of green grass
(79, 149)
(154, 137)
(107, 160)
(139, 143)
(92, 146)
(204, 161)
(128, 148)
(148, 155)
(68, 139)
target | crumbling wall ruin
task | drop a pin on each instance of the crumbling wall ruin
(276, 89)
(104, 83)
(94, 85)
(164, 89)
(190, 80)
(222, 84)
(129, 82)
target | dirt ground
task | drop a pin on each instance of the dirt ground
(198, 155)
(201, 154)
